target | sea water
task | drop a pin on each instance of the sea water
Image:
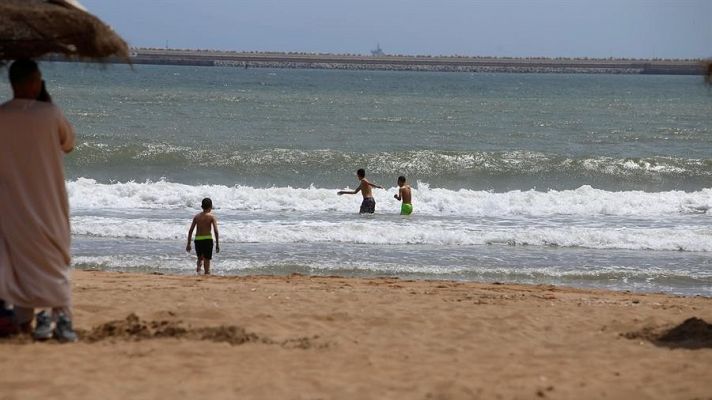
(582, 180)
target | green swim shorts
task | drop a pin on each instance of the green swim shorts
(406, 209)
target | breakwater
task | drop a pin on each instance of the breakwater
(413, 63)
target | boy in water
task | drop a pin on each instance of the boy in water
(368, 205)
(203, 239)
(404, 194)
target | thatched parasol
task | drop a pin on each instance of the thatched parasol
(33, 28)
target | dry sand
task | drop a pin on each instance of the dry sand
(302, 337)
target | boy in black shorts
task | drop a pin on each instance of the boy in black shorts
(203, 238)
(368, 205)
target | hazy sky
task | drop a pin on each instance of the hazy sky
(594, 28)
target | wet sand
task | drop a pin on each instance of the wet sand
(299, 337)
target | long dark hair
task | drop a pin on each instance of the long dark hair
(44, 94)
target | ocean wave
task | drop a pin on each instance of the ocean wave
(422, 163)
(407, 232)
(86, 194)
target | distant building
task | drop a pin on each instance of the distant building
(378, 51)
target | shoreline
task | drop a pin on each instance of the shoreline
(217, 273)
(306, 337)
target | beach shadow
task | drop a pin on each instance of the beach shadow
(693, 333)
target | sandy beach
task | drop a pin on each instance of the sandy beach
(301, 337)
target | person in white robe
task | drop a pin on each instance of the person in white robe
(34, 221)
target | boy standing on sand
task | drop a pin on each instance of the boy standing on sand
(203, 239)
(404, 194)
(368, 205)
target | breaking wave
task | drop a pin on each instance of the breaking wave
(583, 201)
(585, 217)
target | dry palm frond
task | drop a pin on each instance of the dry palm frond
(33, 28)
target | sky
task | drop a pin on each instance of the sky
(514, 28)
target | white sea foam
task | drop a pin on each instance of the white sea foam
(665, 166)
(408, 232)
(585, 217)
(227, 264)
(87, 194)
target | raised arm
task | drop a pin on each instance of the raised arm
(358, 189)
(374, 185)
(190, 235)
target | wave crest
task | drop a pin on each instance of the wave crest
(584, 201)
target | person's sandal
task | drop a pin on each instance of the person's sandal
(43, 326)
(63, 330)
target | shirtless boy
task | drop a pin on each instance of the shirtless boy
(368, 205)
(404, 194)
(203, 238)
